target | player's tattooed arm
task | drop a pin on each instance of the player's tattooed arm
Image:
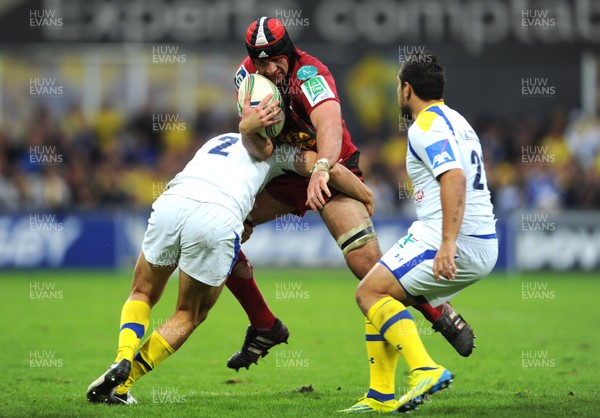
(453, 192)
(253, 120)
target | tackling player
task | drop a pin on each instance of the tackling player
(313, 122)
(451, 246)
(196, 224)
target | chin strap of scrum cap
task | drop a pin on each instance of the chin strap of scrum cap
(357, 237)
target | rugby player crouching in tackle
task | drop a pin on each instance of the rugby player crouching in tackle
(196, 224)
(313, 122)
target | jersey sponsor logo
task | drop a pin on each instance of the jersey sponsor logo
(440, 153)
(239, 76)
(307, 71)
(305, 140)
(419, 195)
(409, 239)
(316, 90)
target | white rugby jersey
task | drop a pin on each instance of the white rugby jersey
(439, 140)
(223, 172)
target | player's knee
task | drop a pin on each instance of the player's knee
(199, 318)
(362, 296)
(188, 320)
(243, 269)
(202, 312)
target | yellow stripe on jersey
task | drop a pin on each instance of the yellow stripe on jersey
(425, 119)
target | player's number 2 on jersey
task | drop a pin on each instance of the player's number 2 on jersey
(475, 159)
(219, 149)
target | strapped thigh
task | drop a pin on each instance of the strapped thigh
(357, 237)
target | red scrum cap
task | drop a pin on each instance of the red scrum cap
(267, 38)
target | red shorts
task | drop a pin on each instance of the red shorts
(291, 188)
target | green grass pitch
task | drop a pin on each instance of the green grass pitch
(537, 349)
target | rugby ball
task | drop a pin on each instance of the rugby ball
(258, 86)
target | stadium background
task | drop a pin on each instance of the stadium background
(102, 102)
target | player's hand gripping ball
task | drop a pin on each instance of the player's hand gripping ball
(258, 86)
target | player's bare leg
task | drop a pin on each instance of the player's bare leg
(345, 218)
(383, 301)
(147, 287)
(194, 301)
(350, 225)
(149, 281)
(265, 330)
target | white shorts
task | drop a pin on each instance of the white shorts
(203, 238)
(411, 261)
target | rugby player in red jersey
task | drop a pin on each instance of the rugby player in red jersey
(313, 122)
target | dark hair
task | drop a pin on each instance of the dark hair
(425, 74)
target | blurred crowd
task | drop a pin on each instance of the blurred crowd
(548, 164)
(114, 161)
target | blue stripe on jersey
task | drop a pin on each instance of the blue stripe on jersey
(135, 327)
(236, 252)
(438, 111)
(403, 314)
(487, 236)
(413, 152)
(374, 337)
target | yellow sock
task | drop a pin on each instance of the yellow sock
(154, 351)
(135, 317)
(383, 358)
(397, 326)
